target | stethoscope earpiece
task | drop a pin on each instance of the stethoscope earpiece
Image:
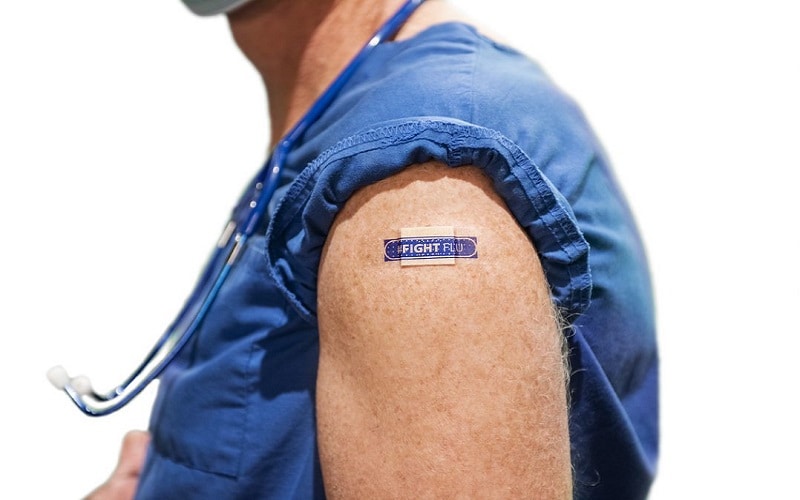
(61, 380)
(58, 376)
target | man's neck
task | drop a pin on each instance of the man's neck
(300, 46)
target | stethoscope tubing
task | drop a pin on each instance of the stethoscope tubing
(225, 254)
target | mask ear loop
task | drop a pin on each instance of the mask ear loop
(79, 389)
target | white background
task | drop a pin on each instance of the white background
(128, 128)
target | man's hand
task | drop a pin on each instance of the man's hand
(121, 485)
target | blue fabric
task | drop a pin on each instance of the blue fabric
(234, 417)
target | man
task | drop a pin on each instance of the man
(398, 328)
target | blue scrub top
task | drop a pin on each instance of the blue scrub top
(234, 417)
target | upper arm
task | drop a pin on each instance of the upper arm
(445, 378)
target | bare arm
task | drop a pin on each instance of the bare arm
(438, 380)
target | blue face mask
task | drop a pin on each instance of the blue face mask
(213, 7)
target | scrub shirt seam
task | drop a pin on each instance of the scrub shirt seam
(406, 132)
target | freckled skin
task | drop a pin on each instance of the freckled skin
(438, 381)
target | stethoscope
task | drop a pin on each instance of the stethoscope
(232, 240)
